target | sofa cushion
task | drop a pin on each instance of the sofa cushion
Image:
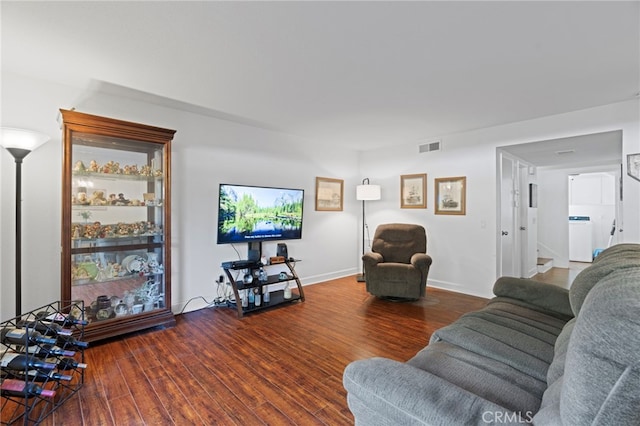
(534, 294)
(612, 259)
(556, 369)
(384, 392)
(614, 251)
(521, 338)
(485, 377)
(603, 358)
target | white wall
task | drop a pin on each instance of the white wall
(553, 213)
(206, 151)
(464, 247)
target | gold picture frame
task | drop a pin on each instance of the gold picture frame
(413, 191)
(451, 195)
(329, 194)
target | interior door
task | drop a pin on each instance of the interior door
(527, 227)
(509, 260)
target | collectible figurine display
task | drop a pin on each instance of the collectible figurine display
(113, 168)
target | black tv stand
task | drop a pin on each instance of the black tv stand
(277, 297)
(242, 264)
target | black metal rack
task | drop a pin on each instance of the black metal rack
(277, 297)
(32, 410)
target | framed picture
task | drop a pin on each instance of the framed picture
(329, 193)
(413, 191)
(633, 166)
(451, 195)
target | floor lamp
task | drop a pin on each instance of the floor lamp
(20, 143)
(365, 192)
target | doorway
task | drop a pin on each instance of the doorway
(543, 230)
(517, 219)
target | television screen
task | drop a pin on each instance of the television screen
(256, 213)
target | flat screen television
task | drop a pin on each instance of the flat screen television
(248, 214)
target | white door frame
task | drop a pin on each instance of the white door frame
(518, 230)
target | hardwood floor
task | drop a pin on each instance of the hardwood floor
(562, 277)
(281, 367)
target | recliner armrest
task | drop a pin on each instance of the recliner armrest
(546, 296)
(421, 261)
(372, 258)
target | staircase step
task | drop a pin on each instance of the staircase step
(544, 264)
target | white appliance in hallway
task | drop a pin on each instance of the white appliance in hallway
(580, 239)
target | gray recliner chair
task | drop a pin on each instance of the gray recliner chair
(397, 266)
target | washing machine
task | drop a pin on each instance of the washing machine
(580, 239)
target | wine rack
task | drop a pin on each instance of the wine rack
(59, 327)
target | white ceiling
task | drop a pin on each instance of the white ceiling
(358, 74)
(577, 151)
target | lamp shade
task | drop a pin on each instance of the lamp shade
(21, 139)
(367, 192)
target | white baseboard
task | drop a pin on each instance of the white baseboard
(484, 293)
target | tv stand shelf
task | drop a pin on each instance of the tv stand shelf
(277, 297)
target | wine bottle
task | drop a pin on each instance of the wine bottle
(38, 376)
(15, 361)
(70, 341)
(60, 319)
(46, 329)
(21, 336)
(258, 297)
(69, 364)
(43, 351)
(287, 291)
(12, 387)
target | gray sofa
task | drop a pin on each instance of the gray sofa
(535, 354)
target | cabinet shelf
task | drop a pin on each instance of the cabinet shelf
(82, 207)
(87, 281)
(103, 243)
(117, 176)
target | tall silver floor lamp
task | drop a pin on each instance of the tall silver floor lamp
(365, 192)
(20, 143)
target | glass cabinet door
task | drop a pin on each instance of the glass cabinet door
(116, 223)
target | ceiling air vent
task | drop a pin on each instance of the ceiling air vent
(431, 146)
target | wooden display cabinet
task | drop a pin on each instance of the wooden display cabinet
(116, 223)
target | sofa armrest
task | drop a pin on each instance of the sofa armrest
(421, 261)
(547, 296)
(384, 391)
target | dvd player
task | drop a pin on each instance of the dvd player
(241, 264)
